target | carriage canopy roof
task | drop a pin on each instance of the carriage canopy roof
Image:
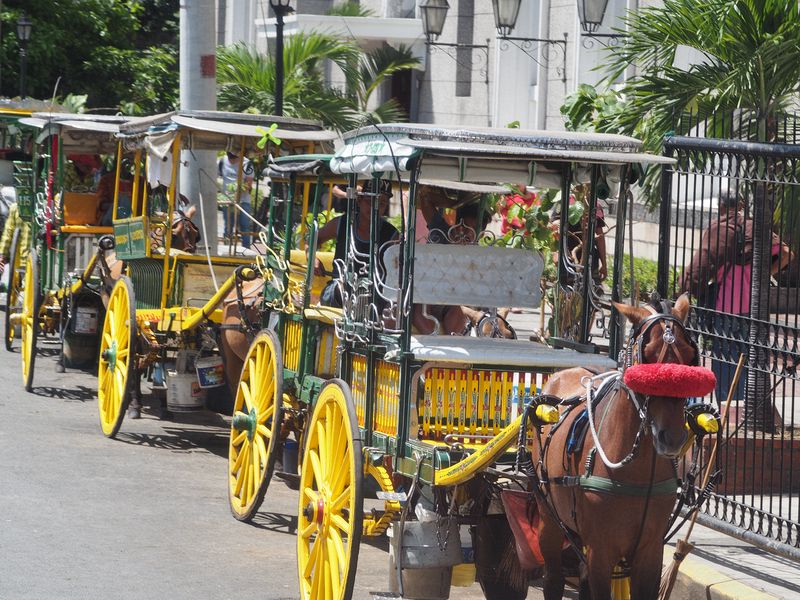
(86, 133)
(483, 155)
(215, 130)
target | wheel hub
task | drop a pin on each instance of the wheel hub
(314, 511)
(110, 355)
(246, 422)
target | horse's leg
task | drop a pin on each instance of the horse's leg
(550, 541)
(135, 406)
(646, 570)
(600, 567)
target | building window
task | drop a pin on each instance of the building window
(466, 25)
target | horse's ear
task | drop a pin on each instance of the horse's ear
(681, 308)
(634, 314)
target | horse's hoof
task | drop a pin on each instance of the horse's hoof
(134, 412)
(60, 367)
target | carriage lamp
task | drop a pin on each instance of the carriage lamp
(433, 13)
(24, 27)
(281, 8)
(505, 15)
(591, 13)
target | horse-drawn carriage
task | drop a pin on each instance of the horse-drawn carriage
(15, 181)
(65, 274)
(395, 425)
(164, 311)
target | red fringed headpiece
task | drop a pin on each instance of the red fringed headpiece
(669, 379)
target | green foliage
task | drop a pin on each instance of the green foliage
(120, 53)
(246, 80)
(645, 275)
(587, 109)
(746, 56)
(75, 103)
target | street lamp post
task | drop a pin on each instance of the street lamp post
(281, 8)
(24, 27)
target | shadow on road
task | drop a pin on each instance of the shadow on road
(276, 522)
(180, 440)
(81, 394)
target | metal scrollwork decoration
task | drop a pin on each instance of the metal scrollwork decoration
(541, 51)
(606, 40)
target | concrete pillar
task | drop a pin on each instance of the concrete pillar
(198, 89)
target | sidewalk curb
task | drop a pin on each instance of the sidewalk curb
(697, 581)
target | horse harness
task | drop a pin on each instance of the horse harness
(598, 388)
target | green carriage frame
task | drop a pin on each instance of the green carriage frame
(377, 390)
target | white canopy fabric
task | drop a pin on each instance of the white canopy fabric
(372, 153)
(495, 351)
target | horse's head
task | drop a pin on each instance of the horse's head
(659, 336)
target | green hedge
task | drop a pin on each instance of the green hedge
(645, 273)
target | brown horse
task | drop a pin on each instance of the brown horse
(234, 338)
(619, 512)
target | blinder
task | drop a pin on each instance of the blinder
(634, 353)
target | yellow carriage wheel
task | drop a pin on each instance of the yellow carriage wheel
(255, 426)
(14, 288)
(330, 515)
(30, 318)
(117, 357)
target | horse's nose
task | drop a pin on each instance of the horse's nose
(669, 442)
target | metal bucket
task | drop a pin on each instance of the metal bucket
(184, 393)
(427, 544)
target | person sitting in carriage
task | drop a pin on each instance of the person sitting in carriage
(337, 229)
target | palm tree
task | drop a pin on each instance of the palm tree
(747, 62)
(747, 53)
(246, 80)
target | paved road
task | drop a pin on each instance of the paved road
(143, 516)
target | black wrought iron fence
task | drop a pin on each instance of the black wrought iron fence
(730, 223)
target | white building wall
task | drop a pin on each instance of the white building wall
(493, 84)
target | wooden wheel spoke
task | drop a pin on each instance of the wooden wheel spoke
(322, 447)
(265, 394)
(244, 388)
(319, 579)
(262, 450)
(333, 564)
(341, 524)
(264, 431)
(238, 438)
(341, 551)
(237, 469)
(312, 560)
(266, 413)
(308, 531)
(316, 467)
(308, 495)
(340, 501)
